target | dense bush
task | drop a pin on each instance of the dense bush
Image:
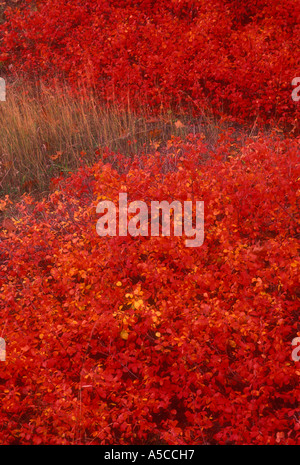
(142, 340)
(234, 57)
(133, 340)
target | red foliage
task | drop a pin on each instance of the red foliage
(239, 57)
(133, 340)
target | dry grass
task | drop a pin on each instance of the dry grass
(45, 131)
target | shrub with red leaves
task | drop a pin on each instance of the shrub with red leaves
(237, 58)
(135, 340)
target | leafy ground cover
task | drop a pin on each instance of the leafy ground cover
(229, 56)
(142, 340)
(126, 340)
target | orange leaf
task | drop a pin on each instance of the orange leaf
(179, 124)
(57, 155)
(124, 335)
(8, 225)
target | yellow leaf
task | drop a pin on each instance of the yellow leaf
(137, 304)
(119, 284)
(124, 335)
